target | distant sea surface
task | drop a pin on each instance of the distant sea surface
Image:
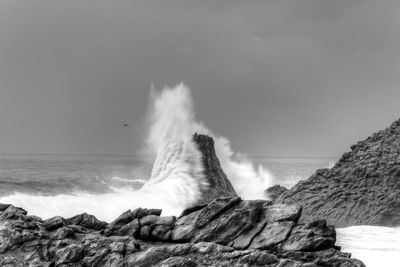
(49, 175)
(53, 174)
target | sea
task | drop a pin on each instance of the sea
(47, 184)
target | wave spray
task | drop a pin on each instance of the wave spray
(177, 177)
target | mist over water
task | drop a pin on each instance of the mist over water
(177, 177)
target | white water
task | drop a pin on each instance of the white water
(177, 177)
(376, 246)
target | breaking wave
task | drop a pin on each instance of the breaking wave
(177, 177)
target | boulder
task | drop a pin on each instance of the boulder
(54, 223)
(121, 221)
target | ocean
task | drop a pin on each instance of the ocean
(105, 186)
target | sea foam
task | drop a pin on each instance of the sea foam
(177, 178)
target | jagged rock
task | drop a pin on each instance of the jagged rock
(227, 232)
(177, 262)
(156, 228)
(12, 213)
(275, 191)
(140, 213)
(54, 223)
(3, 207)
(9, 236)
(87, 221)
(69, 254)
(361, 189)
(63, 233)
(313, 236)
(268, 214)
(187, 226)
(128, 222)
(219, 185)
(122, 220)
(230, 224)
(272, 235)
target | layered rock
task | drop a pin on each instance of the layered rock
(219, 185)
(275, 191)
(363, 187)
(226, 232)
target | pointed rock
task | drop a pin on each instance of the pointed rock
(219, 185)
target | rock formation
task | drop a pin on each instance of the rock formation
(226, 232)
(363, 187)
(275, 191)
(219, 185)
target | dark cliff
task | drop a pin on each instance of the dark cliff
(219, 185)
(363, 187)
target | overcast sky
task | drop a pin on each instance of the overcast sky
(278, 78)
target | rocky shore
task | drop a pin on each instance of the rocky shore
(226, 232)
(362, 188)
(219, 231)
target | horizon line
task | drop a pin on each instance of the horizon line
(147, 155)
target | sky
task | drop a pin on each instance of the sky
(278, 78)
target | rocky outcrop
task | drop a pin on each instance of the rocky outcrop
(275, 191)
(226, 232)
(363, 187)
(219, 185)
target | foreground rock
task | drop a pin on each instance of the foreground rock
(363, 187)
(227, 232)
(219, 185)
